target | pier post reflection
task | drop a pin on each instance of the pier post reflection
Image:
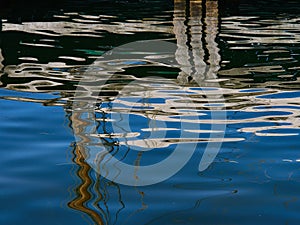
(212, 25)
(196, 29)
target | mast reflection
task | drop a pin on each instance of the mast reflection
(94, 193)
(83, 190)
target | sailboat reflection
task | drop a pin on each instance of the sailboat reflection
(195, 29)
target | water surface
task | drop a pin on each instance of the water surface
(226, 75)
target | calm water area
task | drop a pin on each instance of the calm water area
(150, 112)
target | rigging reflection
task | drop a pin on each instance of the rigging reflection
(92, 194)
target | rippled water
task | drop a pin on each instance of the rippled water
(87, 85)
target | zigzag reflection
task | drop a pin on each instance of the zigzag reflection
(93, 193)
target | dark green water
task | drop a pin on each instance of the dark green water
(87, 85)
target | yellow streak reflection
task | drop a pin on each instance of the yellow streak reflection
(79, 203)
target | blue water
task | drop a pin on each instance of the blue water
(34, 143)
(85, 87)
